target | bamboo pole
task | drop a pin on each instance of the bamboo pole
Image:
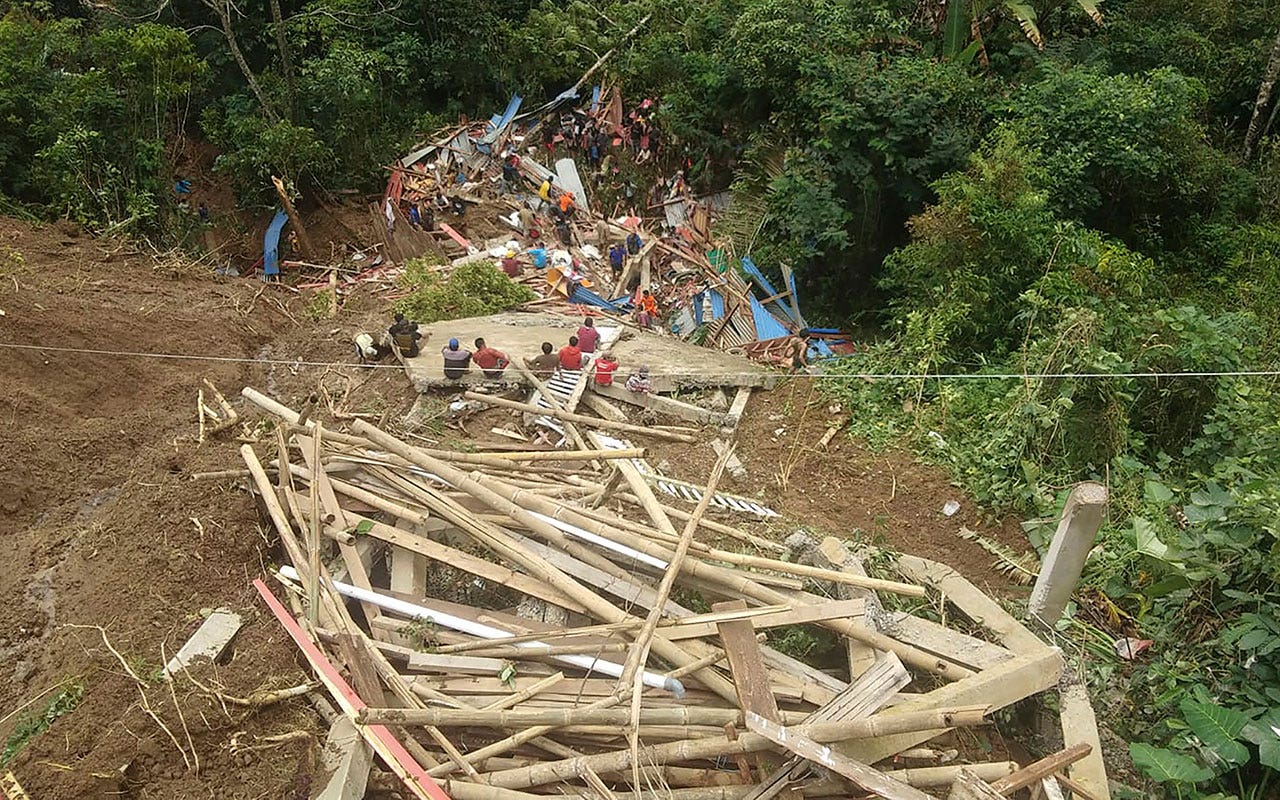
(519, 718)
(313, 585)
(496, 540)
(567, 416)
(553, 401)
(694, 749)
(644, 641)
(744, 584)
(562, 455)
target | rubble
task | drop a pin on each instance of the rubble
(472, 688)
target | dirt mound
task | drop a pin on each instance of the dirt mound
(102, 526)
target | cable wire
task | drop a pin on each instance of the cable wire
(869, 376)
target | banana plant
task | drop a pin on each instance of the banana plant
(962, 30)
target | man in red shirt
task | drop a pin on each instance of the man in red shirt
(588, 336)
(491, 362)
(571, 355)
(605, 367)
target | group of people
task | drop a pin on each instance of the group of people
(402, 335)
(578, 353)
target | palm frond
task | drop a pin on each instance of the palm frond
(1021, 568)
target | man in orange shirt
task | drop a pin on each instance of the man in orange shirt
(566, 204)
(647, 311)
(571, 355)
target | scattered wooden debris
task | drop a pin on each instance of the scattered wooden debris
(464, 694)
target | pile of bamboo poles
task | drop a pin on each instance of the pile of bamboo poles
(586, 673)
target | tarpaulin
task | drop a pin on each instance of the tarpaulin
(271, 244)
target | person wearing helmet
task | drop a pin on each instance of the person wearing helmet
(511, 266)
(457, 360)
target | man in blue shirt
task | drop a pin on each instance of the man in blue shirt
(539, 254)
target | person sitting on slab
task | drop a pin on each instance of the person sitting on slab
(457, 360)
(544, 366)
(491, 362)
(571, 355)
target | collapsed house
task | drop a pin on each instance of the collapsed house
(510, 624)
(711, 294)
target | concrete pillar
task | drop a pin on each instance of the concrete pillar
(347, 758)
(1062, 565)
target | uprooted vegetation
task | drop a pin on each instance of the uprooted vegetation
(474, 289)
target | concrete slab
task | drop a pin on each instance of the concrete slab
(209, 640)
(673, 364)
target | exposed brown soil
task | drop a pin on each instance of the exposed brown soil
(102, 526)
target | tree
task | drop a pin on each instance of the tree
(1269, 77)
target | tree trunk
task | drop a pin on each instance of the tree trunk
(1264, 99)
(286, 60)
(222, 8)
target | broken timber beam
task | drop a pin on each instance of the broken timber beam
(997, 687)
(973, 602)
(1080, 726)
(869, 778)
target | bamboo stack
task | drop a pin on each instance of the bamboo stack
(497, 631)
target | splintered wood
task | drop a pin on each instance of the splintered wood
(496, 629)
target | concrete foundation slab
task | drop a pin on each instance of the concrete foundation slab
(673, 364)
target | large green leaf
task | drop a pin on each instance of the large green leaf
(1166, 766)
(956, 30)
(1265, 733)
(1218, 728)
(1025, 14)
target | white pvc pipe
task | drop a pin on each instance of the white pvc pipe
(600, 541)
(483, 631)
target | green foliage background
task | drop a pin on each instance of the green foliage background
(978, 188)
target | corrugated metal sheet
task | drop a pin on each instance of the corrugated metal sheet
(767, 326)
(717, 304)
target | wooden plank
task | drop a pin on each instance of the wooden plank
(746, 664)
(973, 602)
(1045, 767)
(869, 778)
(996, 688)
(750, 677)
(945, 642)
(379, 737)
(1080, 726)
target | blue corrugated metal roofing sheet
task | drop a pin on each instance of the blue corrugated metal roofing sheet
(586, 297)
(767, 325)
(717, 304)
